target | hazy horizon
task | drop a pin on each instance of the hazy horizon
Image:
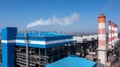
(57, 15)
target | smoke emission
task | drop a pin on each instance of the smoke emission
(74, 17)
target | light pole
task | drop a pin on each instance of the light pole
(27, 42)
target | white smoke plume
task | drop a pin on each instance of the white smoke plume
(54, 20)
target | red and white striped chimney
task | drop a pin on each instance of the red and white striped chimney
(116, 32)
(110, 33)
(113, 35)
(102, 38)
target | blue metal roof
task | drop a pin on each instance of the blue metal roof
(41, 34)
(73, 61)
(44, 39)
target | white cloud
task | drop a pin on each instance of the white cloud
(54, 20)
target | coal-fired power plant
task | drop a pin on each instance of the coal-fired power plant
(102, 38)
(53, 49)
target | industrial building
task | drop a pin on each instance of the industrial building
(86, 45)
(33, 49)
(73, 61)
(37, 49)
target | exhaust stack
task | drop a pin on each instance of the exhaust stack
(110, 33)
(102, 38)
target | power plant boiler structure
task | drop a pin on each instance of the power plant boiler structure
(43, 48)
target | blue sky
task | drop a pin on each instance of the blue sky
(20, 13)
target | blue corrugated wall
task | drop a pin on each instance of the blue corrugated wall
(8, 34)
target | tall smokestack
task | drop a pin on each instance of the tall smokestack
(116, 32)
(102, 38)
(113, 35)
(110, 33)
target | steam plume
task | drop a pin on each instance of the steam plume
(54, 20)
